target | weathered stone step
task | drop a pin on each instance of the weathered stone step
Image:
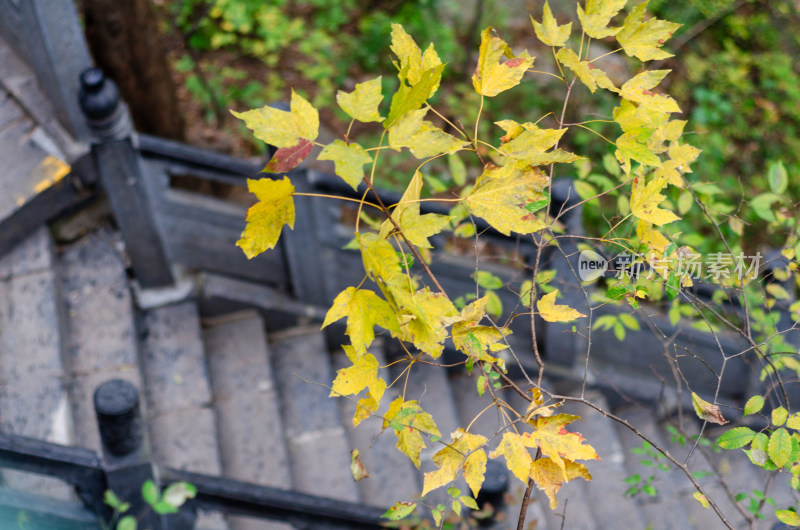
(319, 452)
(180, 417)
(33, 396)
(392, 475)
(605, 493)
(664, 511)
(100, 333)
(251, 435)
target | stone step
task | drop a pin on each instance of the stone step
(180, 417)
(664, 511)
(251, 435)
(100, 331)
(33, 396)
(392, 476)
(605, 493)
(319, 452)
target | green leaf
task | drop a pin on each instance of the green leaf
(585, 190)
(525, 293)
(348, 160)
(535, 206)
(458, 172)
(487, 280)
(753, 405)
(549, 32)
(789, 517)
(617, 291)
(673, 286)
(642, 38)
(164, 508)
(111, 499)
(777, 177)
(736, 438)
(469, 502)
(178, 493)
(629, 321)
(481, 385)
(762, 205)
(494, 306)
(150, 492)
(362, 103)
(779, 416)
(650, 490)
(127, 523)
(619, 331)
(780, 447)
(281, 128)
(266, 218)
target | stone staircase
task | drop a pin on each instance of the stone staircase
(222, 395)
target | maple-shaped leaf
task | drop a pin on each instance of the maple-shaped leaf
(551, 312)
(532, 144)
(681, 155)
(639, 90)
(491, 76)
(430, 314)
(417, 228)
(642, 38)
(631, 147)
(514, 447)
(408, 98)
(348, 160)
(653, 239)
(421, 137)
(596, 16)
(409, 421)
(413, 63)
(353, 379)
(370, 403)
(266, 218)
(634, 118)
(464, 454)
(549, 476)
(588, 73)
(501, 194)
(706, 411)
(560, 445)
(645, 201)
(380, 263)
(473, 339)
(281, 128)
(287, 158)
(362, 103)
(549, 32)
(364, 309)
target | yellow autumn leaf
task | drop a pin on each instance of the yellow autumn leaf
(702, 499)
(408, 98)
(531, 145)
(429, 315)
(596, 16)
(549, 32)
(514, 447)
(491, 76)
(587, 72)
(706, 411)
(560, 445)
(348, 160)
(281, 128)
(634, 118)
(353, 379)
(413, 63)
(473, 339)
(421, 137)
(364, 309)
(362, 103)
(409, 421)
(357, 467)
(551, 312)
(681, 155)
(630, 147)
(642, 38)
(370, 403)
(266, 218)
(549, 476)
(381, 264)
(639, 90)
(417, 228)
(645, 199)
(451, 461)
(501, 193)
(653, 239)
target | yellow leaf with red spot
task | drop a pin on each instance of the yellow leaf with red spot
(463, 455)
(514, 447)
(552, 312)
(642, 38)
(409, 423)
(491, 76)
(550, 476)
(266, 218)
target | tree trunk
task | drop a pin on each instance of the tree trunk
(124, 39)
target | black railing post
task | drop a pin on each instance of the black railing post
(118, 165)
(124, 444)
